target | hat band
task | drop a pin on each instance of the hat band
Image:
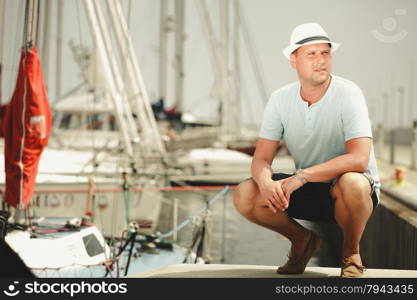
(313, 38)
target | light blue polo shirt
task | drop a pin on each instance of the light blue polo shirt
(317, 133)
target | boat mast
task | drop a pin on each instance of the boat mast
(411, 93)
(135, 85)
(229, 78)
(46, 40)
(162, 74)
(236, 66)
(58, 71)
(31, 23)
(226, 110)
(111, 72)
(210, 39)
(219, 56)
(179, 54)
(30, 35)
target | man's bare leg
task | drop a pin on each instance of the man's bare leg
(353, 207)
(247, 200)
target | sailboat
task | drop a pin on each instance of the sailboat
(83, 241)
(218, 151)
(26, 126)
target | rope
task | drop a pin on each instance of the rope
(200, 212)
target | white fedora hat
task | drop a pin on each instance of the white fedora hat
(307, 34)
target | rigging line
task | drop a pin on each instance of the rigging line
(129, 13)
(256, 64)
(123, 53)
(79, 24)
(201, 211)
(124, 48)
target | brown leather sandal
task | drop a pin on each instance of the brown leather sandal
(297, 265)
(351, 269)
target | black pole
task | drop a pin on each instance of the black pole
(132, 244)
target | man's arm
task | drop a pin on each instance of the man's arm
(262, 160)
(355, 160)
(261, 171)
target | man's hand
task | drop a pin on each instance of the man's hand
(290, 184)
(274, 196)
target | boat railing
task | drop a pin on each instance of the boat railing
(188, 220)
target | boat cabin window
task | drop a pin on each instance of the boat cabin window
(112, 123)
(71, 121)
(95, 121)
(101, 121)
(88, 121)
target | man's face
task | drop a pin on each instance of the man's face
(313, 63)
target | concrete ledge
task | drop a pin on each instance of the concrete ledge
(252, 271)
(406, 195)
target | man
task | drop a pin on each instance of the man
(324, 122)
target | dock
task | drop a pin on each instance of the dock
(252, 271)
(388, 247)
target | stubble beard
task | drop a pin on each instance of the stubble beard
(320, 78)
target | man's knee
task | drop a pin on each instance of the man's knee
(354, 184)
(354, 190)
(244, 196)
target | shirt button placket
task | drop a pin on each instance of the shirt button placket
(309, 126)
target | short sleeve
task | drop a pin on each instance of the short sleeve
(272, 128)
(355, 116)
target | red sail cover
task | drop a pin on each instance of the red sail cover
(26, 127)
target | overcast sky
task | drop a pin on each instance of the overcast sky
(378, 42)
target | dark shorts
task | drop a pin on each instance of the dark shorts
(314, 202)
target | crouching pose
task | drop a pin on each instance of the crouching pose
(324, 122)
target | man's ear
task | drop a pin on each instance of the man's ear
(293, 59)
